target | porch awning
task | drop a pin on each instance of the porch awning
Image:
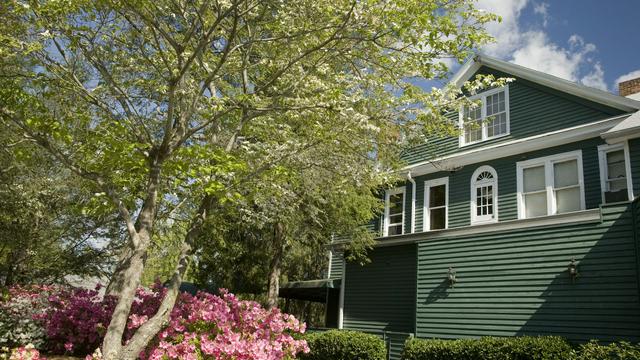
(312, 290)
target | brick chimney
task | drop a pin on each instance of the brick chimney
(630, 88)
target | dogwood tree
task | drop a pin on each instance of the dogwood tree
(165, 105)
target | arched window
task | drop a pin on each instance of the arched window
(484, 195)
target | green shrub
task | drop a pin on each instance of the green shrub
(344, 345)
(489, 348)
(615, 351)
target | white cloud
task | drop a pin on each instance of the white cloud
(629, 76)
(595, 79)
(542, 9)
(533, 48)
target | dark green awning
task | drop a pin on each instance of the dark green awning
(312, 290)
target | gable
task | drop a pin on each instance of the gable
(534, 109)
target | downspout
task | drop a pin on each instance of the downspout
(413, 202)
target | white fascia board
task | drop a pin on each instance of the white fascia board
(515, 147)
(599, 96)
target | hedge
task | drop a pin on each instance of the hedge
(489, 348)
(615, 351)
(344, 345)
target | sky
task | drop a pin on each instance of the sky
(594, 42)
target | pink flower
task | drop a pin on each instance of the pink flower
(68, 346)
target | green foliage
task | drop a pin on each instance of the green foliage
(489, 348)
(344, 345)
(615, 351)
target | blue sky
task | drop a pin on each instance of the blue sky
(595, 42)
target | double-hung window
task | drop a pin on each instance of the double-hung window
(550, 185)
(436, 200)
(484, 195)
(615, 173)
(490, 119)
(394, 212)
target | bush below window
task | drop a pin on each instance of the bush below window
(344, 345)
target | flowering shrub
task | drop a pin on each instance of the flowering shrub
(17, 310)
(28, 352)
(204, 326)
(76, 320)
(222, 327)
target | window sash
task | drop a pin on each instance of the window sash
(478, 128)
(390, 228)
(623, 182)
(550, 189)
(428, 210)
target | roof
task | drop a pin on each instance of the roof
(629, 127)
(603, 97)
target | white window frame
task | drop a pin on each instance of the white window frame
(399, 190)
(548, 162)
(426, 218)
(602, 158)
(483, 97)
(484, 219)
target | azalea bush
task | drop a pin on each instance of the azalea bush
(27, 352)
(18, 307)
(76, 320)
(73, 321)
(223, 327)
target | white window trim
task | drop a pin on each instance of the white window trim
(602, 151)
(426, 219)
(399, 190)
(548, 162)
(475, 220)
(482, 96)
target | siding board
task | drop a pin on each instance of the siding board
(380, 296)
(517, 283)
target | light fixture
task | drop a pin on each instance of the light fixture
(451, 276)
(573, 270)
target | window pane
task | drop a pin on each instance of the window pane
(395, 230)
(565, 173)
(618, 184)
(437, 218)
(534, 179)
(437, 195)
(395, 219)
(395, 203)
(568, 200)
(615, 164)
(535, 204)
(497, 125)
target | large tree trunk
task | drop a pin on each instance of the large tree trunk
(116, 281)
(275, 266)
(112, 345)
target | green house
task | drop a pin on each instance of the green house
(524, 225)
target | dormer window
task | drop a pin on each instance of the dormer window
(488, 120)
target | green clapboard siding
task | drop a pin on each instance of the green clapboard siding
(534, 109)
(460, 183)
(380, 296)
(634, 155)
(517, 282)
(337, 264)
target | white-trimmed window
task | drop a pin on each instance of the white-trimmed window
(615, 173)
(436, 201)
(484, 195)
(550, 185)
(394, 212)
(487, 121)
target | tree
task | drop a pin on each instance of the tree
(149, 100)
(46, 230)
